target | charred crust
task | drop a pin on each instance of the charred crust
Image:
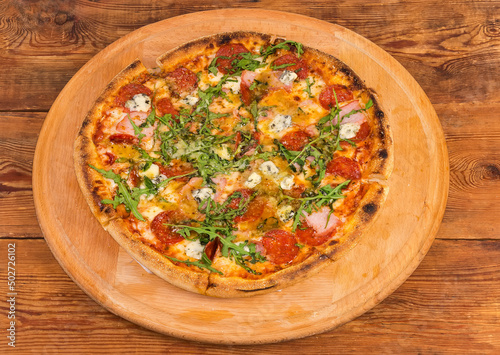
(257, 289)
(333, 242)
(370, 208)
(383, 154)
(380, 114)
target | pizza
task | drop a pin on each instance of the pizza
(240, 165)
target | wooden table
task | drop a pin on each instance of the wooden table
(452, 301)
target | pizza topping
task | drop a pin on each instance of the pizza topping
(322, 221)
(308, 236)
(331, 96)
(285, 213)
(293, 64)
(202, 194)
(139, 102)
(288, 77)
(269, 168)
(280, 246)
(227, 55)
(295, 141)
(164, 106)
(122, 138)
(287, 182)
(348, 130)
(151, 172)
(345, 167)
(194, 249)
(165, 233)
(128, 91)
(190, 100)
(363, 132)
(280, 122)
(185, 80)
(253, 180)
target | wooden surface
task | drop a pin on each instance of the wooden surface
(389, 251)
(449, 304)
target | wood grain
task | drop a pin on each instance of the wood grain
(445, 50)
(389, 251)
(450, 303)
(17, 210)
(452, 299)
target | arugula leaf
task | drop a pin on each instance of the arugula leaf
(240, 253)
(326, 195)
(283, 45)
(123, 195)
(203, 263)
(137, 130)
(309, 85)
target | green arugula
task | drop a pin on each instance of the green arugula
(123, 195)
(203, 263)
(137, 130)
(309, 85)
(283, 45)
(326, 195)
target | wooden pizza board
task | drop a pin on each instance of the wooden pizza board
(389, 251)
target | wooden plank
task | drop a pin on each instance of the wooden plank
(18, 136)
(445, 50)
(474, 199)
(450, 304)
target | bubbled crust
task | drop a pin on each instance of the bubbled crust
(92, 184)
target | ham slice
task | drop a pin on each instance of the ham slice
(318, 221)
(248, 77)
(358, 117)
(124, 125)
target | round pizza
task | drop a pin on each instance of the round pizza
(242, 164)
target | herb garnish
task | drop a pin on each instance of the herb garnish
(326, 196)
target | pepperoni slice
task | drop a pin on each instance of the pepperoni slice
(231, 51)
(120, 138)
(344, 167)
(166, 234)
(129, 91)
(134, 177)
(235, 203)
(185, 79)
(327, 98)
(363, 133)
(110, 158)
(295, 140)
(299, 65)
(307, 235)
(212, 247)
(164, 106)
(176, 169)
(247, 96)
(280, 246)
(254, 210)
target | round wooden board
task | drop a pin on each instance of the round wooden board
(387, 254)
